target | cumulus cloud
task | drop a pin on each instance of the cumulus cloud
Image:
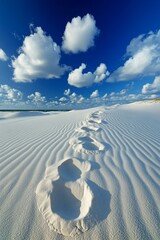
(101, 73)
(143, 53)
(79, 34)
(75, 98)
(67, 92)
(36, 98)
(79, 79)
(10, 94)
(151, 88)
(39, 57)
(81, 99)
(94, 94)
(76, 101)
(73, 95)
(3, 56)
(105, 96)
(62, 99)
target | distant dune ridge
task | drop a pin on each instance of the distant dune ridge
(84, 174)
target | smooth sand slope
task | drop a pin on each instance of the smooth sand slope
(88, 174)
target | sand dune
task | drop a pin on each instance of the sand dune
(7, 115)
(87, 174)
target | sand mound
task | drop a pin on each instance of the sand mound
(8, 115)
(86, 144)
(64, 198)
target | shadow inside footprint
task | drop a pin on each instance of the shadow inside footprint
(101, 202)
(94, 166)
(69, 171)
(95, 116)
(63, 202)
(70, 201)
(86, 129)
(90, 146)
(104, 122)
(89, 129)
(107, 146)
(89, 143)
(91, 121)
(86, 138)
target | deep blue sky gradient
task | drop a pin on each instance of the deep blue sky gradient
(119, 22)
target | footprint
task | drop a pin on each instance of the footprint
(73, 169)
(96, 114)
(86, 128)
(94, 120)
(69, 169)
(99, 112)
(64, 198)
(68, 200)
(86, 144)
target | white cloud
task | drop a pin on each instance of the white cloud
(79, 34)
(67, 92)
(81, 99)
(101, 73)
(36, 98)
(123, 91)
(151, 88)
(76, 99)
(3, 56)
(94, 94)
(73, 95)
(79, 79)
(39, 57)
(62, 99)
(10, 94)
(144, 60)
(104, 96)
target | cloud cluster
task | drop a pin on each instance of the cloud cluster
(94, 94)
(79, 34)
(39, 57)
(151, 88)
(36, 98)
(79, 79)
(71, 99)
(143, 53)
(3, 56)
(8, 94)
(10, 97)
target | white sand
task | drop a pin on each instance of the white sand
(91, 174)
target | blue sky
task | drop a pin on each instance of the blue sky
(66, 54)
